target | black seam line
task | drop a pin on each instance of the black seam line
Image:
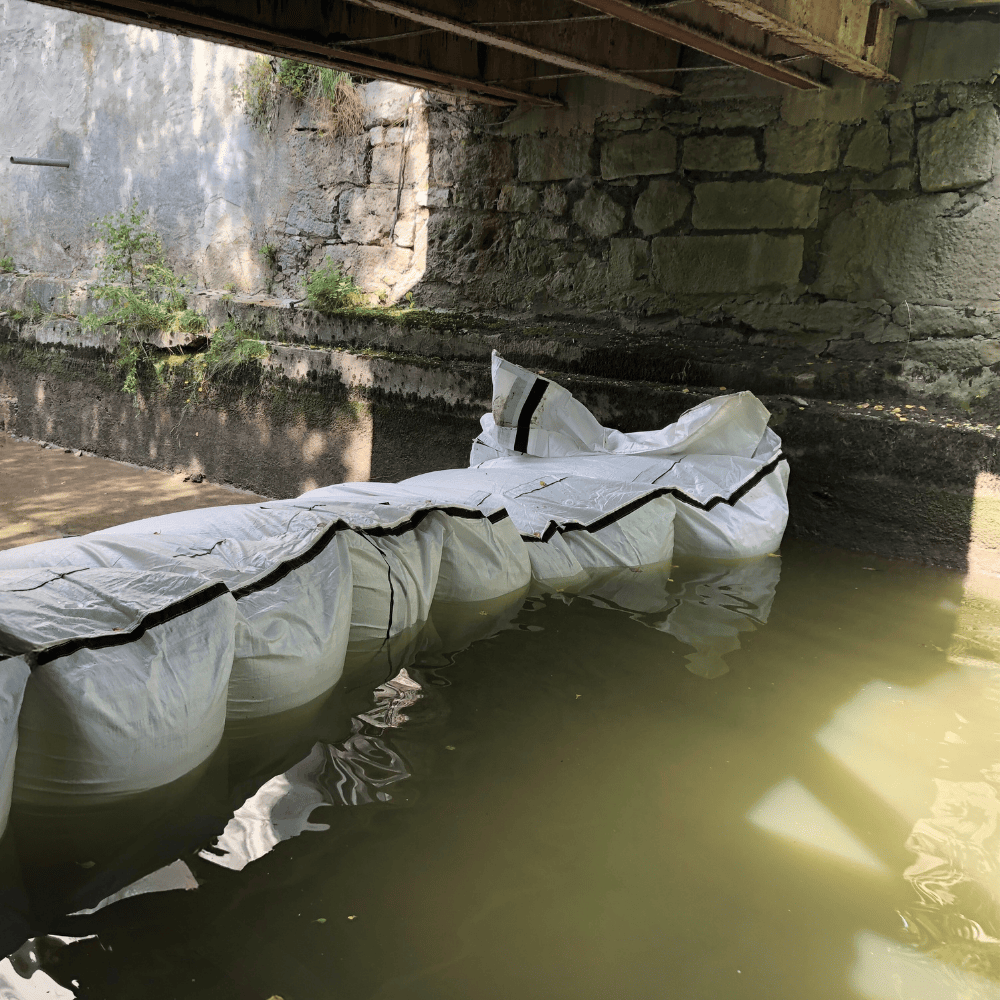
(279, 573)
(634, 505)
(534, 397)
(152, 620)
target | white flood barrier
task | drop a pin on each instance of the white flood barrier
(719, 461)
(483, 557)
(290, 573)
(129, 673)
(574, 527)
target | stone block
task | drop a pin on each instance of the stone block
(366, 214)
(914, 250)
(926, 321)
(553, 158)
(770, 204)
(541, 229)
(869, 148)
(638, 154)
(805, 149)
(753, 113)
(901, 136)
(946, 354)
(386, 162)
(959, 151)
(518, 198)
(599, 214)
(662, 204)
(720, 153)
(740, 264)
(385, 103)
(628, 265)
(435, 197)
(896, 179)
(554, 200)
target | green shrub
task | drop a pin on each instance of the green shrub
(6, 264)
(299, 79)
(328, 289)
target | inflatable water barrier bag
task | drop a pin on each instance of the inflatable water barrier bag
(293, 590)
(574, 527)
(482, 558)
(129, 673)
(719, 462)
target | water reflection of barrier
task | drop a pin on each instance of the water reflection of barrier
(707, 605)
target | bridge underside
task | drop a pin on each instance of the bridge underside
(517, 51)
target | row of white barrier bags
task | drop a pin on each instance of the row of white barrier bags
(720, 462)
(124, 652)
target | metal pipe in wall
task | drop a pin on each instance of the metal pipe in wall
(32, 161)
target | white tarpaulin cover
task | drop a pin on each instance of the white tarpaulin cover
(483, 556)
(293, 591)
(574, 527)
(129, 677)
(719, 461)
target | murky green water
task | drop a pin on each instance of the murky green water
(674, 801)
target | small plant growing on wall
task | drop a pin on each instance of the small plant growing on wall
(231, 348)
(256, 91)
(269, 252)
(328, 289)
(6, 264)
(139, 292)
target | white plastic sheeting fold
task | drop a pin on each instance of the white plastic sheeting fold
(719, 461)
(129, 677)
(574, 527)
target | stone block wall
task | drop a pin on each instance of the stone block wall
(859, 223)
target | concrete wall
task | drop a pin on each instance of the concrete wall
(147, 115)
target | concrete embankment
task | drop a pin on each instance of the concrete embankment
(381, 394)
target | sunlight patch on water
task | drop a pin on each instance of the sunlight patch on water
(793, 812)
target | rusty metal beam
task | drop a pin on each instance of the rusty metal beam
(760, 17)
(702, 41)
(185, 21)
(465, 30)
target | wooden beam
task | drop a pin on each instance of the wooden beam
(184, 21)
(477, 34)
(702, 41)
(909, 8)
(753, 13)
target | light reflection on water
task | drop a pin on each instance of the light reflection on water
(780, 780)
